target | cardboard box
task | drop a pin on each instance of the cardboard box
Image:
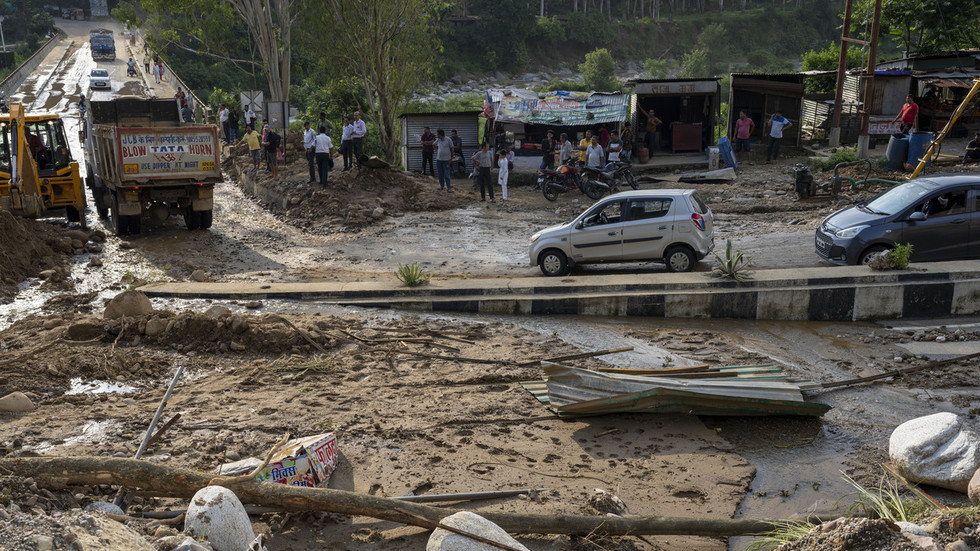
(305, 462)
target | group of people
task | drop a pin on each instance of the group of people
(744, 126)
(596, 149)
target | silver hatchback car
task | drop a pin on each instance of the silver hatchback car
(673, 226)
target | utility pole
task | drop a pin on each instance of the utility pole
(841, 70)
(869, 88)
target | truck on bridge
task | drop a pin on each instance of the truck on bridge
(142, 160)
(103, 44)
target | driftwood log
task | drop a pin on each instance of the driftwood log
(60, 472)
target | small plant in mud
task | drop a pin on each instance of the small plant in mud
(734, 265)
(412, 274)
(785, 532)
(896, 258)
(884, 501)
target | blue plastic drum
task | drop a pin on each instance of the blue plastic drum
(918, 145)
(897, 152)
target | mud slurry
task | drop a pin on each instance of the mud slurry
(405, 420)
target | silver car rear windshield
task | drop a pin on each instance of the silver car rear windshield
(899, 197)
(100, 73)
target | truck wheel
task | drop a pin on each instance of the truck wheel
(98, 196)
(72, 214)
(134, 224)
(119, 225)
(191, 219)
(206, 217)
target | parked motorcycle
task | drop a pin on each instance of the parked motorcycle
(598, 182)
(558, 181)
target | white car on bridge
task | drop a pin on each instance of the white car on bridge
(99, 80)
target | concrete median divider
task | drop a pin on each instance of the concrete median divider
(850, 293)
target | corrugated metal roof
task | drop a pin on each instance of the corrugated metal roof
(950, 82)
(649, 80)
(440, 113)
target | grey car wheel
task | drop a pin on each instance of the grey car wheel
(680, 259)
(553, 263)
(870, 252)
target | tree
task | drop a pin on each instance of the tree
(657, 68)
(827, 60)
(270, 23)
(695, 64)
(599, 71)
(388, 46)
(927, 26)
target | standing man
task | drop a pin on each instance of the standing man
(427, 139)
(603, 135)
(444, 153)
(458, 149)
(324, 122)
(249, 116)
(186, 114)
(777, 124)
(309, 143)
(357, 136)
(594, 154)
(323, 148)
(908, 115)
(565, 151)
(615, 147)
(484, 160)
(627, 138)
(346, 145)
(583, 147)
(223, 120)
(271, 143)
(548, 151)
(653, 129)
(253, 139)
(743, 129)
(233, 125)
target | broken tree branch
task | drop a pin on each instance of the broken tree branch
(58, 472)
(302, 333)
(578, 356)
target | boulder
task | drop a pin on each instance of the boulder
(378, 213)
(104, 507)
(935, 450)
(216, 513)
(128, 303)
(155, 326)
(199, 276)
(85, 329)
(190, 544)
(973, 490)
(16, 402)
(444, 540)
(217, 311)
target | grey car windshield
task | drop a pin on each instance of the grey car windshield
(898, 198)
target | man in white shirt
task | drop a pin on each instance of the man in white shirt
(565, 150)
(223, 120)
(614, 147)
(777, 124)
(357, 136)
(594, 154)
(444, 153)
(323, 147)
(249, 116)
(309, 143)
(346, 144)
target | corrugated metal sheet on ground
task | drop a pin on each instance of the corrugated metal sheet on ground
(754, 391)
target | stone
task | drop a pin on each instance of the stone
(217, 311)
(190, 544)
(48, 274)
(973, 488)
(77, 245)
(16, 402)
(216, 513)
(104, 507)
(77, 235)
(252, 305)
(199, 276)
(958, 545)
(912, 528)
(236, 346)
(155, 326)
(378, 213)
(444, 540)
(925, 542)
(935, 450)
(44, 543)
(95, 261)
(85, 330)
(128, 303)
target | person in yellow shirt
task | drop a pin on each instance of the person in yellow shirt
(583, 145)
(252, 138)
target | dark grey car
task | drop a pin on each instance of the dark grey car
(938, 215)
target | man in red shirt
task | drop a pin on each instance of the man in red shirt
(743, 129)
(908, 113)
(428, 149)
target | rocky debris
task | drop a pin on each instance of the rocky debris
(200, 276)
(973, 489)
(104, 507)
(217, 311)
(603, 502)
(444, 540)
(935, 450)
(85, 328)
(16, 402)
(847, 534)
(74, 530)
(215, 513)
(128, 303)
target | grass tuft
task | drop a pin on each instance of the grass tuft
(413, 275)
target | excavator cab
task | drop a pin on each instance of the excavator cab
(37, 171)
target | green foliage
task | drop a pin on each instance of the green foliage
(497, 41)
(471, 101)
(570, 85)
(696, 64)
(899, 256)
(734, 265)
(713, 39)
(656, 68)
(884, 501)
(599, 71)
(785, 532)
(551, 29)
(842, 155)
(588, 29)
(763, 61)
(925, 26)
(412, 275)
(827, 60)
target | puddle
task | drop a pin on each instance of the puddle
(89, 432)
(77, 386)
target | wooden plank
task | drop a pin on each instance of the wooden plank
(661, 371)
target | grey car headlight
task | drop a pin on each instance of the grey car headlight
(535, 237)
(848, 233)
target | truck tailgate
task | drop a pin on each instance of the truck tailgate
(172, 153)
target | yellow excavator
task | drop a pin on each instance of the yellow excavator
(37, 172)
